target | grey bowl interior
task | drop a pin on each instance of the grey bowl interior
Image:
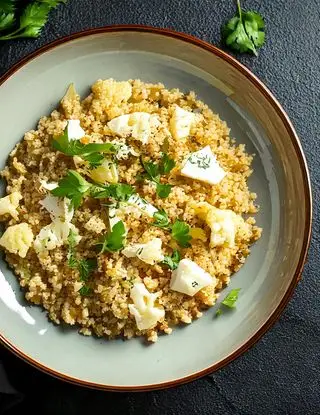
(279, 180)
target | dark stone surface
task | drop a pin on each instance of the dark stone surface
(281, 374)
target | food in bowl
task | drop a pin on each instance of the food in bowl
(124, 212)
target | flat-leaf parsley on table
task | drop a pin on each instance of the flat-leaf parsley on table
(244, 32)
(32, 19)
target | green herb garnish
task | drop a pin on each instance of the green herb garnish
(229, 301)
(84, 266)
(154, 171)
(114, 240)
(180, 232)
(231, 298)
(244, 32)
(120, 192)
(73, 186)
(161, 219)
(92, 153)
(203, 162)
(172, 261)
(32, 20)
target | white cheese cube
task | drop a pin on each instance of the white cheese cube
(202, 165)
(9, 204)
(189, 278)
(17, 239)
(150, 253)
(181, 122)
(144, 310)
(75, 131)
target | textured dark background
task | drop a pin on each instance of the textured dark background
(281, 374)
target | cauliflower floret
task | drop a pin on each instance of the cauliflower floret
(224, 224)
(9, 204)
(144, 310)
(17, 239)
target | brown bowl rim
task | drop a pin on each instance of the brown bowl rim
(307, 188)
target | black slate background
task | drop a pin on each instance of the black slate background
(281, 374)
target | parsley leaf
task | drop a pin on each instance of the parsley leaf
(166, 164)
(153, 172)
(161, 219)
(113, 241)
(120, 191)
(180, 232)
(89, 152)
(244, 32)
(231, 298)
(33, 19)
(85, 291)
(218, 312)
(172, 261)
(163, 190)
(73, 186)
(7, 19)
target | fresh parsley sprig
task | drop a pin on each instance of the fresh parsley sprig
(32, 20)
(180, 231)
(244, 32)
(84, 266)
(230, 300)
(93, 152)
(74, 187)
(114, 240)
(172, 261)
(154, 171)
(119, 192)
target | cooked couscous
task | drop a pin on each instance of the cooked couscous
(124, 211)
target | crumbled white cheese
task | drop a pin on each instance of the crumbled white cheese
(48, 186)
(181, 122)
(74, 129)
(144, 310)
(150, 253)
(189, 278)
(9, 204)
(56, 233)
(202, 165)
(137, 124)
(124, 151)
(17, 239)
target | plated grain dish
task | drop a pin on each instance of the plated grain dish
(127, 212)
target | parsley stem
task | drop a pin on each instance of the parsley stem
(13, 35)
(239, 10)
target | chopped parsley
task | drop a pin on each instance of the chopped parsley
(172, 261)
(154, 171)
(92, 153)
(84, 266)
(180, 230)
(231, 298)
(114, 240)
(74, 187)
(161, 219)
(181, 233)
(229, 301)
